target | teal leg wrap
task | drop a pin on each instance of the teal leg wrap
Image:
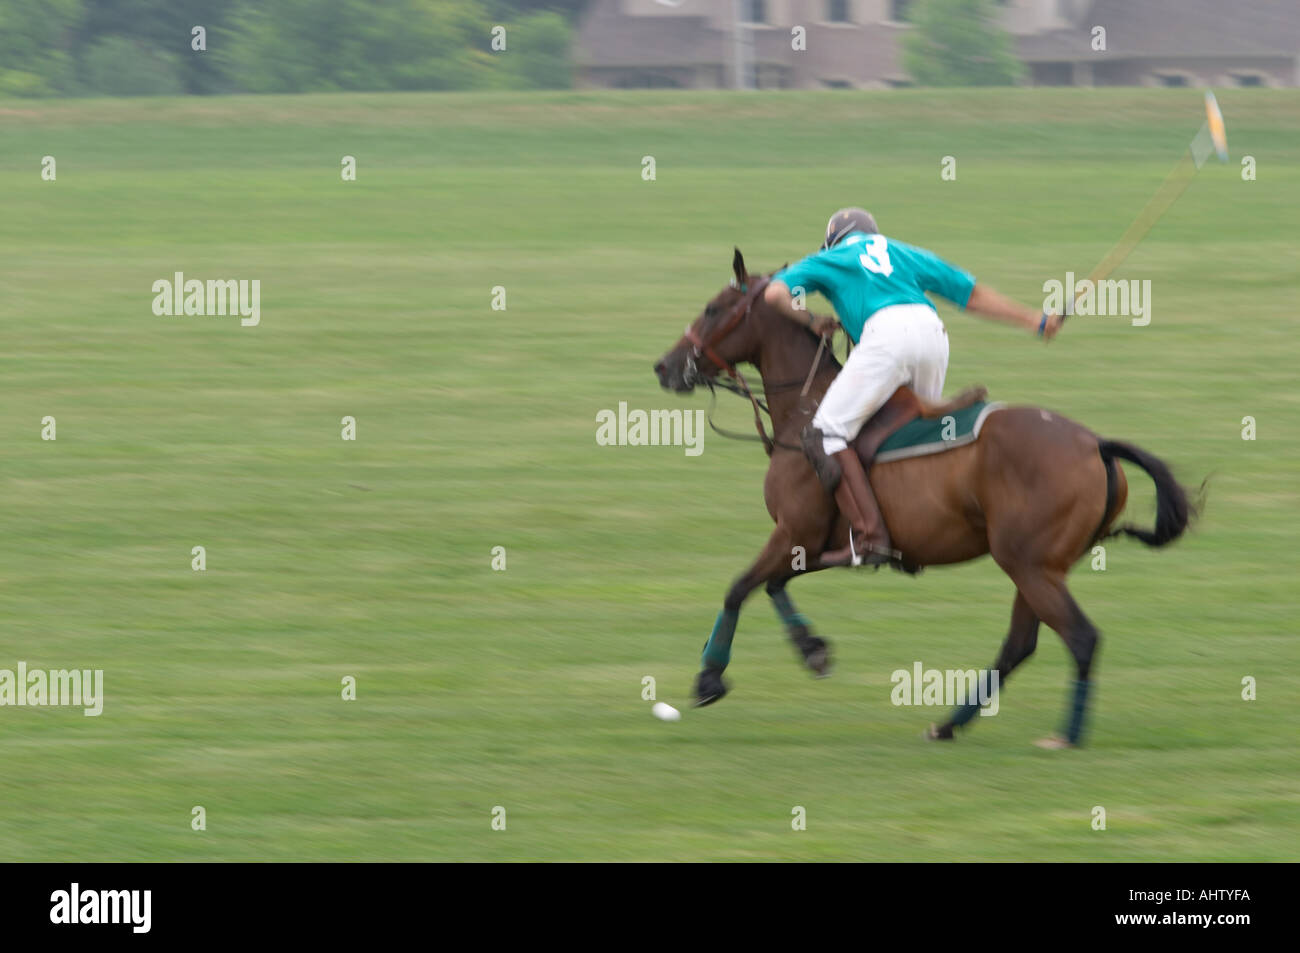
(964, 713)
(791, 616)
(717, 651)
(1077, 711)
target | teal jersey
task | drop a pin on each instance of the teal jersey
(865, 273)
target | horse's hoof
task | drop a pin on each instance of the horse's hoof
(817, 656)
(821, 668)
(709, 687)
(1053, 743)
(938, 732)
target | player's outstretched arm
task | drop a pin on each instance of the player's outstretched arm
(988, 303)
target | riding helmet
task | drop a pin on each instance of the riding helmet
(847, 221)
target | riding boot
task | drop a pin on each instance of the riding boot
(827, 470)
(869, 543)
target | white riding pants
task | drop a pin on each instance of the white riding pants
(901, 344)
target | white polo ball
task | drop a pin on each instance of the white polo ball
(665, 712)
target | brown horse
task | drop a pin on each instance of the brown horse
(1035, 490)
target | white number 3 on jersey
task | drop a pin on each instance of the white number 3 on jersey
(876, 257)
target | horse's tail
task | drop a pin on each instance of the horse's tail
(1174, 509)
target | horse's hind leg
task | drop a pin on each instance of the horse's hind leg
(1051, 601)
(773, 561)
(815, 650)
(1021, 640)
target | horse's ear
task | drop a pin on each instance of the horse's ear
(738, 266)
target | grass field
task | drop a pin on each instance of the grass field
(476, 429)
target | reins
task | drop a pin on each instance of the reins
(769, 443)
(812, 371)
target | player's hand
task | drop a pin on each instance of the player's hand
(1049, 324)
(823, 325)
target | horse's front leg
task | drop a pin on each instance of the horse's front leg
(803, 509)
(815, 650)
(773, 561)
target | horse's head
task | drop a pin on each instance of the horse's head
(718, 338)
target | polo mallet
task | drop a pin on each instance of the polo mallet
(1210, 139)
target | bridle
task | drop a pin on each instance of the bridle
(701, 347)
(705, 348)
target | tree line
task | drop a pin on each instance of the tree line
(179, 47)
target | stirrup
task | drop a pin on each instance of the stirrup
(857, 559)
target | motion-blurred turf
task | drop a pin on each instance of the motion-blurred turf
(476, 429)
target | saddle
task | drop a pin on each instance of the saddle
(884, 431)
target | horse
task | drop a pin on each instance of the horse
(1035, 490)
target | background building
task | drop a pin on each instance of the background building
(706, 44)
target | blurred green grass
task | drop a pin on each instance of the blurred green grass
(476, 429)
